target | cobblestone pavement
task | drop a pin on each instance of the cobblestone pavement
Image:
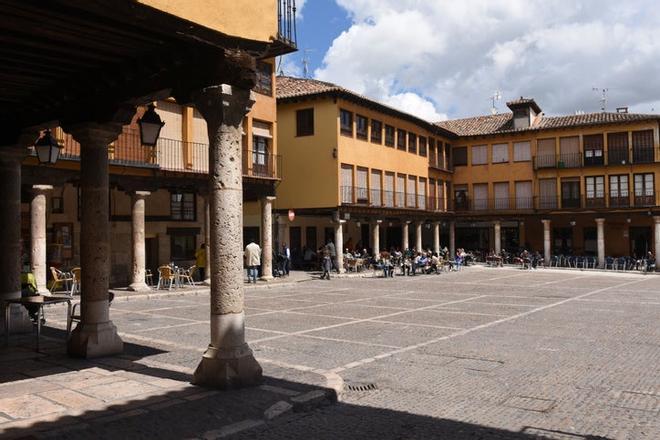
(484, 353)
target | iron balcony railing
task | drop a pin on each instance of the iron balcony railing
(494, 204)
(615, 156)
(286, 21)
(640, 199)
(172, 155)
(355, 195)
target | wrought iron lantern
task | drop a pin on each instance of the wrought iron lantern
(47, 148)
(150, 126)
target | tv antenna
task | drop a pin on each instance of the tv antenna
(603, 97)
(496, 96)
(305, 62)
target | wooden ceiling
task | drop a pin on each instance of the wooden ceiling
(79, 60)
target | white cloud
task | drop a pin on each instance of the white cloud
(300, 4)
(447, 57)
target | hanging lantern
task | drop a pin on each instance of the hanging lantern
(47, 148)
(150, 126)
(292, 215)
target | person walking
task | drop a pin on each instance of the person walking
(333, 254)
(252, 261)
(200, 261)
(326, 263)
(286, 263)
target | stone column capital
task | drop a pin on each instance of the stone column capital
(225, 103)
(546, 221)
(378, 222)
(141, 194)
(656, 218)
(41, 189)
(339, 222)
(94, 134)
(600, 221)
(270, 198)
(497, 223)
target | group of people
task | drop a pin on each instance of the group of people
(411, 262)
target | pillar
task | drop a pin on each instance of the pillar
(600, 239)
(404, 235)
(339, 245)
(228, 360)
(207, 241)
(452, 238)
(656, 219)
(497, 227)
(546, 241)
(418, 236)
(38, 207)
(95, 334)
(10, 235)
(375, 237)
(267, 237)
(139, 251)
(436, 238)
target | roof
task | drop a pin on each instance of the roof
(294, 89)
(503, 123)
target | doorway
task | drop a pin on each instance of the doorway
(640, 241)
(151, 257)
(393, 234)
(563, 241)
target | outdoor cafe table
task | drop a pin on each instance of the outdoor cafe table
(39, 301)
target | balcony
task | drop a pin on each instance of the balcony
(560, 161)
(641, 200)
(494, 204)
(643, 155)
(354, 195)
(171, 155)
(286, 22)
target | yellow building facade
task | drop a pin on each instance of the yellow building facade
(495, 183)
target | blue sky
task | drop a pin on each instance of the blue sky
(442, 59)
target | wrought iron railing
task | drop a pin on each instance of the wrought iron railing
(286, 21)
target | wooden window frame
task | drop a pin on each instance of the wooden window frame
(359, 134)
(344, 129)
(305, 116)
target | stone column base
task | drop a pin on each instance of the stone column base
(222, 368)
(267, 278)
(95, 340)
(19, 320)
(207, 282)
(139, 287)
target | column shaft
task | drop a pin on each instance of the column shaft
(546, 242)
(267, 238)
(228, 361)
(436, 238)
(498, 237)
(657, 242)
(339, 245)
(38, 207)
(375, 238)
(600, 237)
(452, 239)
(418, 236)
(138, 283)
(207, 241)
(404, 235)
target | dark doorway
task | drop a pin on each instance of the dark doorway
(590, 241)
(570, 194)
(393, 234)
(473, 239)
(511, 239)
(295, 235)
(562, 241)
(328, 235)
(640, 241)
(365, 239)
(310, 238)
(152, 263)
(251, 233)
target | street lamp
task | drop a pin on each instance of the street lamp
(47, 148)
(150, 125)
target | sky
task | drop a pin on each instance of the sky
(442, 59)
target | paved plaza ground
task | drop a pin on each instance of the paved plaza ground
(484, 353)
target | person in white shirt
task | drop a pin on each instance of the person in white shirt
(252, 261)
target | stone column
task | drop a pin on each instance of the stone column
(95, 335)
(404, 235)
(452, 239)
(497, 226)
(600, 239)
(10, 235)
(546, 241)
(267, 238)
(207, 241)
(139, 251)
(38, 208)
(436, 238)
(228, 361)
(375, 237)
(418, 236)
(339, 245)
(656, 219)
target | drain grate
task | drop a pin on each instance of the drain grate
(361, 387)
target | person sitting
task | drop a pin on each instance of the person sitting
(649, 263)
(385, 263)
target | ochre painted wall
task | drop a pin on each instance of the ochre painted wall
(252, 20)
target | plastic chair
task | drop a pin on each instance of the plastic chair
(76, 279)
(165, 275)
(59, 278)
(148, 277)
(188, 275)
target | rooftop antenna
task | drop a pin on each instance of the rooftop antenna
(496, 96)
(603, 97)
(305, 62)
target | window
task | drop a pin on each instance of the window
(410, 192)
(421, 196)
(361, 126)
(57, 205)
(264, 78)
(401, 139)
(346, 183)
(570, 192)
(305, 122)
(546, 153)
(644, 189)
(389, 190)
(442, 163)
(376, 131)
(480, 192)
(389, 135)
(346, 122)
(182, 206)
(479, 155)
(433, 161)
(619, 191)
(412, 143)
(522, 151)
(260, 156)
(547, 193)
(400, 190)
(501, 193)
(524, 196)
(362, 188)
(422, 146)
(500, 153)
(448, 155)
(460, 156)
(617, 148)
(375, 192)
(593, 149)
(183, 244)
(569, 152)
(595, 191)
(642, 142)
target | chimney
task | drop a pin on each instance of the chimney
(525, 112)
(622, 109)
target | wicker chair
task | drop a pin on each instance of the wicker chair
(165, 275)
(60, 278)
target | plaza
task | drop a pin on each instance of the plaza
(481, 353)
